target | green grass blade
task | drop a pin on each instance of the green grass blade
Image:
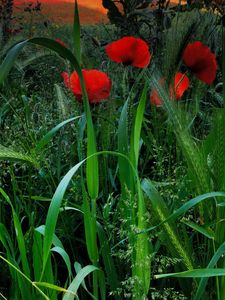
(56, 202)
(53, 212)
(9, 60)
(135, 142)
(204, 231)
(24, 276)
(184, 208)
(55, 240)
(102, 285)
(49, 277)
(51, 44)
(76, 33)
(49, 135)
(61, 50)
(19, 237)
(203, 282)
(92, 164)
(65, 258)
(123, 147)
(143, 248)
(75, 284)
(92, 169)
(142, 262)
(197, 273)
(6, 240)
(53, 287)
(109, 265)
(78, 267)
(90, 230)
(37, 248)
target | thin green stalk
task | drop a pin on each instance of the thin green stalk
(27, 278)
(217, 279)
(222, 281)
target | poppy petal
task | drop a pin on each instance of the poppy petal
(76, 86)
(154, 96)
(181, 84)
(98, 85)
(201, 61)
(155, 99)
(129, 51)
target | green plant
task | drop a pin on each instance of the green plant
(135, 189)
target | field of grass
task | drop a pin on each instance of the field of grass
(112, 155)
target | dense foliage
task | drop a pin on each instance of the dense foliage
(112, 159)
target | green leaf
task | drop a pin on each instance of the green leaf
(58, 48)
(53, 212)
(37, 254)
(90, 230)
(9, 60)
(203, 282)
(56, 202)
(53, 287)
(197, 273)
(19, 236)
(92, 172)
(135, 143)
(75, 284)
(55, 240)
(184, 208)
(24, 276)
(123, 148)
(78, 267)
(76, 33)
(65, 257)
(203, 230)
(6, 240)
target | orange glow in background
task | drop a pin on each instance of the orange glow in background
(61, 11)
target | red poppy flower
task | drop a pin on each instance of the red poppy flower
(181, 84)
(154, 96)
(98, 85)
(129, 51)
(61, 42)
(201, 61)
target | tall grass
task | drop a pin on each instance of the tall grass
(143, 216)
